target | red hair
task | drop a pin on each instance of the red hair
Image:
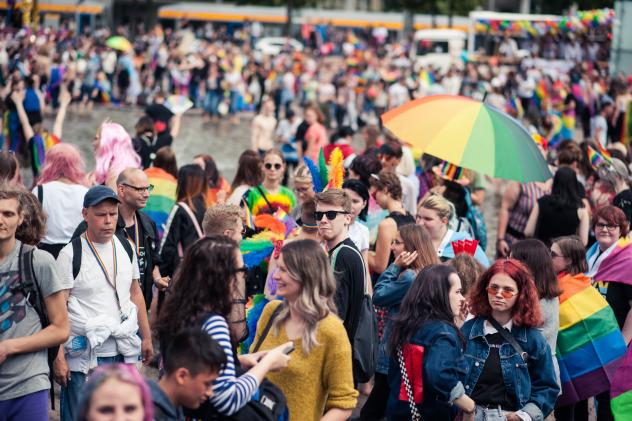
(526, 311)
(612, 215)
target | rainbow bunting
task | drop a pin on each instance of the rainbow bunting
(162, 198)
(621, 390)
(590, 345)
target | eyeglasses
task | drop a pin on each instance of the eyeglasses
(269, 166)
(331, 215)
(554, 254)
(600, 226)
(506, 293)
(148, 188)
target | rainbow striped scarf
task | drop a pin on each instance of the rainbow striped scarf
(621, 391)
(590, 345)
(162, 198)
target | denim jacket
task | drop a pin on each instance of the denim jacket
(389, 292)
(534, 384)
(444, 369)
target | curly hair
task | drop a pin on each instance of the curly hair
(526, 311)
(33, 228)
(387, 180)
(612, 215)
(202, 285)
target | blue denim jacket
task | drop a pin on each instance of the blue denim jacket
(389, 291)
(444, 369)
(534, 386)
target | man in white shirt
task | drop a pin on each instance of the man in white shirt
(105, 304)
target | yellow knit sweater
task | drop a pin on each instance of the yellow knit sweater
(317, 382)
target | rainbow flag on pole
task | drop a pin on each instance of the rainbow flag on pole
(590, 346)
(162, 198)
(621, 391)
(596, 158)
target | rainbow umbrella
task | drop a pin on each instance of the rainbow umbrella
(119, 43)
(469, 134)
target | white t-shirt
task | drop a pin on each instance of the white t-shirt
(599, 122)
(62, 204)
(92, 290)
(359, 234)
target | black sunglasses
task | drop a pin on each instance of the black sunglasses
(276, 166)
(331, 215)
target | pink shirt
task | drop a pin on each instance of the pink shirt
(316, 138)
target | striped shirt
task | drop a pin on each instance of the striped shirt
(230, 393)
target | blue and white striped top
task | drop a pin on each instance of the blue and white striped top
(230, 393)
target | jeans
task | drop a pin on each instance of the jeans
(489, 414)
(69, 398)
(211, 102)
(32, 407)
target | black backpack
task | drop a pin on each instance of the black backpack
(31, 290)
(77, 251)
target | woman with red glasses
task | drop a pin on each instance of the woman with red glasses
(510, 368)
(271, 195)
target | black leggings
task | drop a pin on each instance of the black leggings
(375, 406)
(575, 412)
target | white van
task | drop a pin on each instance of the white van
(439, 47)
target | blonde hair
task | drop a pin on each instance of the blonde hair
(308, 264)
(302, 174)
(219, 218)
(439, 204)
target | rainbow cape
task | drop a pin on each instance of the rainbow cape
(621, 390)
(162, 198)
(40, 144)
(590, 345)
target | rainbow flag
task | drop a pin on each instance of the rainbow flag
(450, 171)
(590, 346)
(514, 107)
(568, 125)
(40, 144)
(162, 198)
(555, 135)
(621, 390)
(426, 78)
(616, 267)
(626, 132)
(541, 93)
(596, 159)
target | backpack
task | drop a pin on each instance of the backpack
(77, 251)
(364, 345)
(31, 290)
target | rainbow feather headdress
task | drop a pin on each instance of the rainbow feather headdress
(325, 177)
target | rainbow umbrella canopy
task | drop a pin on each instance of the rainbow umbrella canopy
(119, 43)
(469, 134)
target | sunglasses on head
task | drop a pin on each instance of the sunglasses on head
(269, 166)
(504, 292)
(331, 215)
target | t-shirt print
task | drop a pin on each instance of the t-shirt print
(12, 300)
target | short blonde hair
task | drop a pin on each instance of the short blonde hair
(439, 204)
(335, 197)
(219, 218)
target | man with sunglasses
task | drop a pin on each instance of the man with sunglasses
(133, 190)
(333, 216)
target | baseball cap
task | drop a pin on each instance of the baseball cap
(98, 194)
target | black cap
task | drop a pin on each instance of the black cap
(98, 194)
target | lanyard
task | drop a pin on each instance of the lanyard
(135, 241)
(111, 282)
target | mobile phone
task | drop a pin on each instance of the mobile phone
(289, 349)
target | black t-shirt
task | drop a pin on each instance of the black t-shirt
(139, 248)
(490, 389)
(619, 296)
(146, 147)
(349, 273)
(623, 201)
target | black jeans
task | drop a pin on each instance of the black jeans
(575, 412)
(375, 406)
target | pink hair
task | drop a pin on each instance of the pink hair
(63, 160)
(115, 152)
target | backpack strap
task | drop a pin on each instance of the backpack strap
(76, 256)
(334, 256)
(120, 234)
(194, 220)
(40, 194)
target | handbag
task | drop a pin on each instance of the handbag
(414, 411)
(268, 403)
(509, 338)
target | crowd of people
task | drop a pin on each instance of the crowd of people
(289, 292)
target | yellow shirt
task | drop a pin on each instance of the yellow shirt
(317, 382)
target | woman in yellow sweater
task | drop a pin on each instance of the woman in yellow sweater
(318, 382)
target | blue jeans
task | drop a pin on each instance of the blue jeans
(69, 398)
(489, 414)
(212, 101)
